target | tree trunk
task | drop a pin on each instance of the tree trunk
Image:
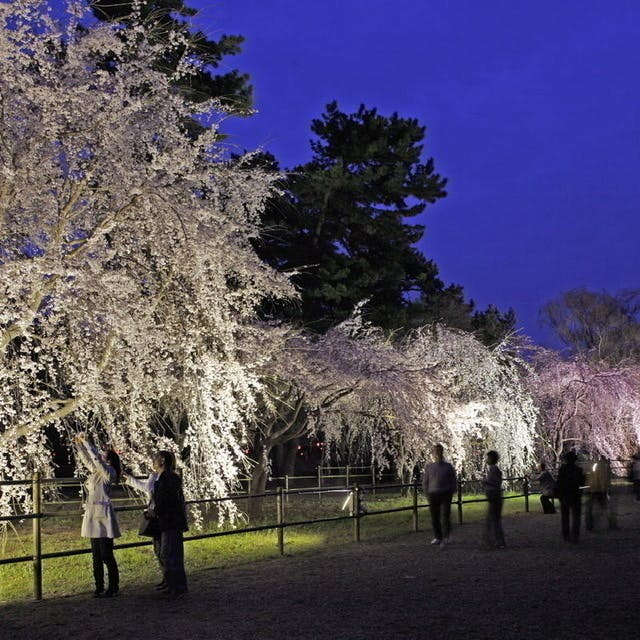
(257, 486)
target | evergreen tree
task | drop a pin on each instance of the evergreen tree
(164, 17)
(343, 226)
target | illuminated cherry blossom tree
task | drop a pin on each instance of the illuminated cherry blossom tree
(126, 270)
(463, 394)
(587, 405)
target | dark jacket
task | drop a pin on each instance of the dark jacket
(570, 478)
(169, 504)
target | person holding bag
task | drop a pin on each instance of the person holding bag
(149, 525)
(99, 522)
(171, 511)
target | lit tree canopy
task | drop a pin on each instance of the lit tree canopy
(125, 266)
(587, 405)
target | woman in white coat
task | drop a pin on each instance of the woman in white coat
(99, 522)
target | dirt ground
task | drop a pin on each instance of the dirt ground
(539, 587)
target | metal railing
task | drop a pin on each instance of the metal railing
(354, 500)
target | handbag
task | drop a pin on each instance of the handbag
(149, 525)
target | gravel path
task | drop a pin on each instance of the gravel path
(537, 588)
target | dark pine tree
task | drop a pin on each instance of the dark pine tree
(344, 227)
(232, 88)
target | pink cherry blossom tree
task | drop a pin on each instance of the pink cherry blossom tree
(588, 405)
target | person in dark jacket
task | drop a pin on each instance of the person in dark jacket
(571, 479)
(170, 509)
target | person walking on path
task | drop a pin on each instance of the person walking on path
(571, 480)
(170, 509)
(99, 522)
(599, 496)
(439, 485)
(492, 484)
(547, 488)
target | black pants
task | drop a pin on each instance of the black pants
(494, 534)
(599, 499)
(570, 509)
(102, 553)
(440, 510)
(172, 560)
(547, 504)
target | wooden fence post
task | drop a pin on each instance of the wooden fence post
(525, 486)
(355, 503)
(373, 478)
(36, 497)
(415, 506)
(319, 482)
(346, 484)
(280, 516)
(460, 481)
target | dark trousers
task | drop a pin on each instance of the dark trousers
(547, 504)
(570, 509)
(494, 534)
(440, 510)
(599, 499)
(157, 546)
(172, 560)
(102, 553)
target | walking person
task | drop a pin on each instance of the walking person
(492, 484)
(170, 509)
(598, 498)
(571, 479)
(99, 522)
(439, 485)
(547, 488)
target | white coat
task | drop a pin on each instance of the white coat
(99, 519)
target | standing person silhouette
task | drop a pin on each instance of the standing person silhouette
(99, 521)
(547, 488)
(571, 479)
(439, 485)
(492, 483)
(145, 485)
(170, 509)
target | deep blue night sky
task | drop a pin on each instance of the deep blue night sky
(532, 112)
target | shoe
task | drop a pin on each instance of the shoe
(436, 541)
(98, 593)
(446, 540)
(161, 586)
(111, 592)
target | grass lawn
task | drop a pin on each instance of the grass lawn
(72, 574)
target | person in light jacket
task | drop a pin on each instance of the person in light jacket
(439, 485)
(99, 522)
(494, 534)
(547, 488)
